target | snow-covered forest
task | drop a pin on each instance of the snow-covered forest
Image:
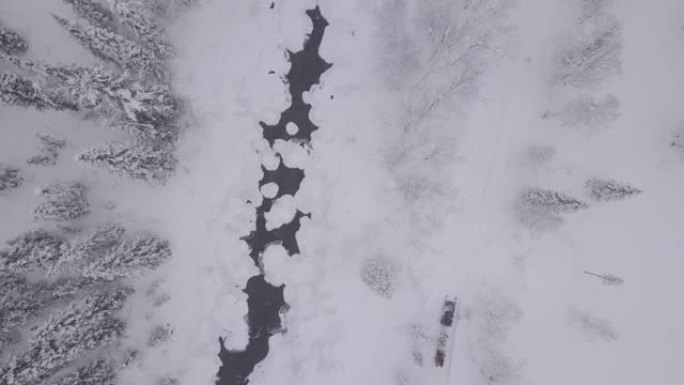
(400, 192)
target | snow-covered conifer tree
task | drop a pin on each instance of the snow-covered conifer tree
(588, 111)
(77, 330)
(146, 28)
(135, 159)
(49, 151)
(110, 253)
(99, 372)
(11, 43)
(33, 250)
(609, 189)
(113, 47)
(92, 11)
(594, 56)
(18, 91)
(540, 208)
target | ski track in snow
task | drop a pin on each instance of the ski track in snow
(522, 295)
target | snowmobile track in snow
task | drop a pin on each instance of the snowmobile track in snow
(265, 301)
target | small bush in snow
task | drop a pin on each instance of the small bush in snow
(62, 201)
(493, 314)
(594, 328)
(159, 334)
(610, 190)
(380, 274)
(34, 250)
(49, 151)
(595, 55)
(9, 178)
(11, 43)
(588, 111)
(135, 159)
(539, 208)
(495, 368)
(80, 328)
(537, 155)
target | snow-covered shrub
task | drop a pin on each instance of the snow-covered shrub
(99, 372)
(593, 327)
(62, 201)
(537, 155)
(381, 275)
(18, 91)
(11, 43)
(591, 8)
(92, 11)
(588, 111)
(110, 253)
(609, 189)
(9, 177)
(493, 314)
(34, 250)
(594, 56)
(495, 368)
(80, 328)
(135, 159)
(159, 334)
(49, 151)
(490, 318)
(542, 209)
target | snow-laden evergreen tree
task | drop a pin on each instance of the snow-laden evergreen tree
(113, 47)
(147, 108)
(609, 189)
(111, 253)
(19, 301)
(135, 159)
(49, 151)
(94, 12)
(141, 21)
(541, 209)
(550, 201)
(9, 177)
(11, 43)
(79, 329)
(99, 372)
(18, 91)
(588, 111)
(62, 201)
(33, 250)
(595, 55)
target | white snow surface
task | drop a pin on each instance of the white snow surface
(446, 224)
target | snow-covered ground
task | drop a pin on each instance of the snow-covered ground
(452, 160)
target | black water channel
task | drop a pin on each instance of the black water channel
(265, 301)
